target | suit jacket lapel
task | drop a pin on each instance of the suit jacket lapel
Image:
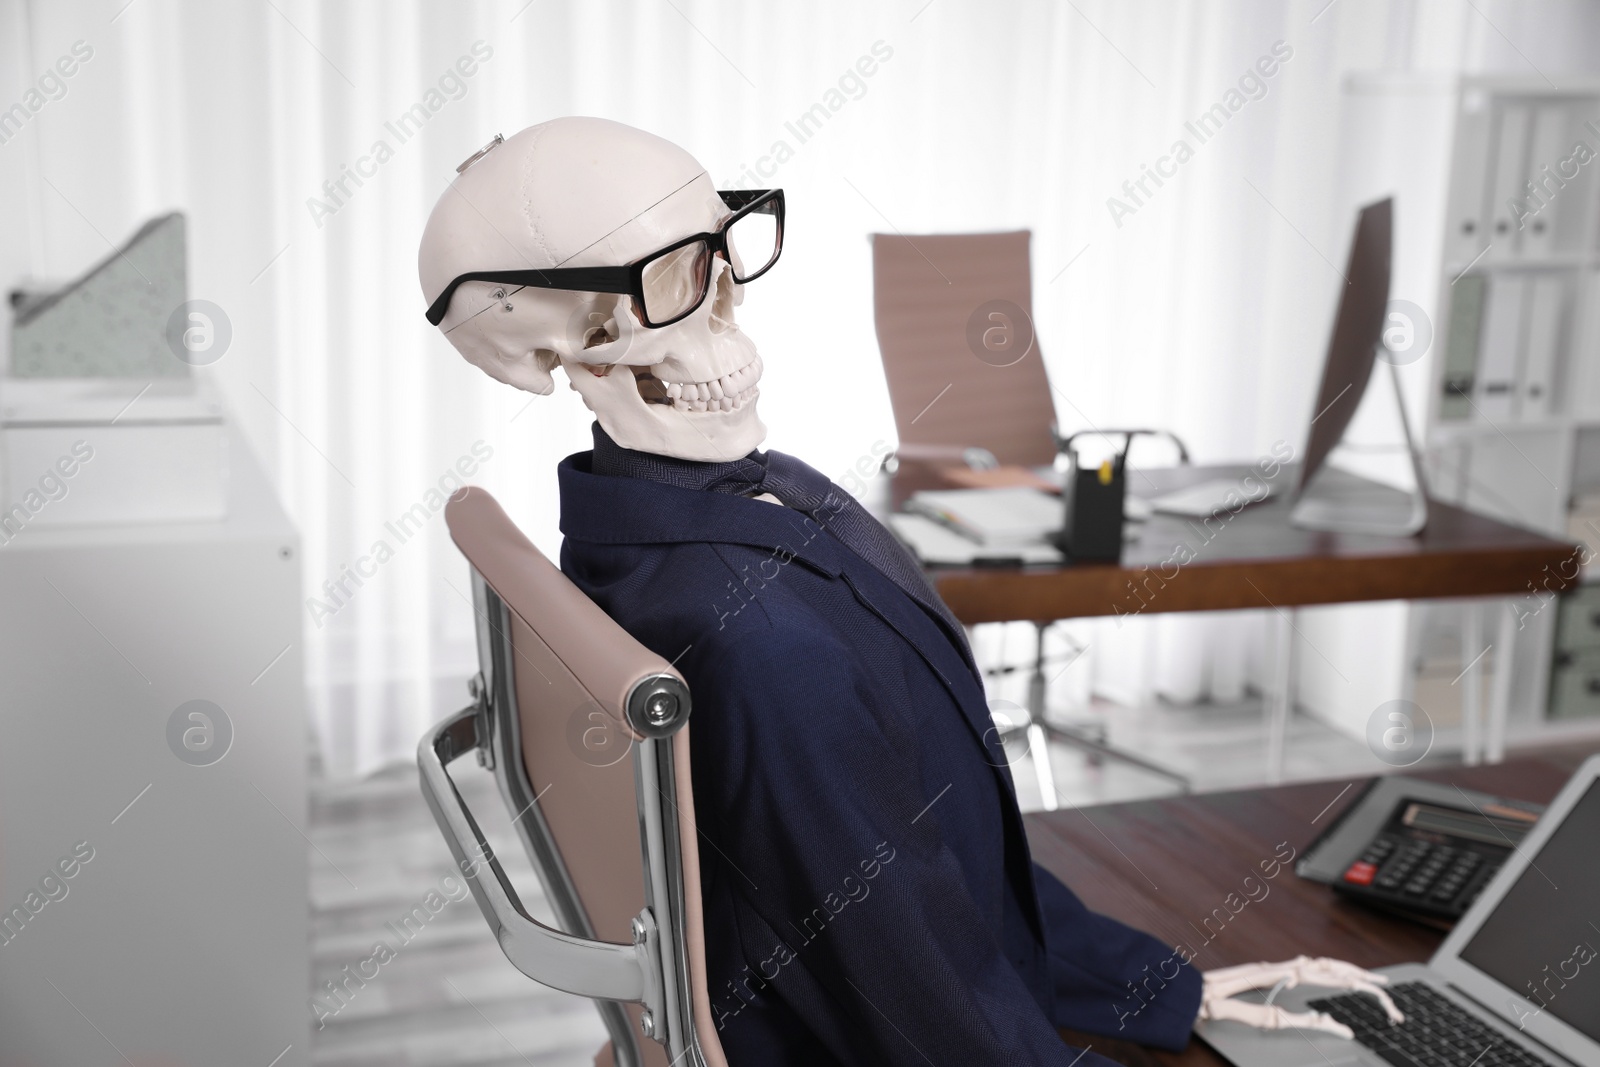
(920, 630)
(923, 633)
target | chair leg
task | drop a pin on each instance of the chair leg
(1041, 731)
(1472, 684)
(1037, 746)
(1099, 748)
(1280, 701)
(1040, 751)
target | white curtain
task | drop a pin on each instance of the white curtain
(1204, 309)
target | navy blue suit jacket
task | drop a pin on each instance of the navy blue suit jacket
(868, 891)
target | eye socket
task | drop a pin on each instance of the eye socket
(752, 244)
(676, 282)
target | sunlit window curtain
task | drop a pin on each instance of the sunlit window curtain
(308, 142)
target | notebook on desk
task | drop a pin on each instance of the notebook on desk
(1007, 517)
(999, 526)
(936, 545)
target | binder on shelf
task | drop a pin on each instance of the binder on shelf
(1461, 346)
(1547, 301)
(1495, 385)
(1575, 233)
(1468, 231)
(1544, 199)
(1580, 380)
(1506, 190)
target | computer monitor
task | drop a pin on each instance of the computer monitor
(1353, 345)
(1346, 370)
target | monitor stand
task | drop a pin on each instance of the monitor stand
(1338, 502)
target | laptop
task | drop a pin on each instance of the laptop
(1517, 982)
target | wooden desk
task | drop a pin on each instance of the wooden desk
(1254, 558)
(1163, 865)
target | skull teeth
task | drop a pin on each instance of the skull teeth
(730, 392)
(727, 403)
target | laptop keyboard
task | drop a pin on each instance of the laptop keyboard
(1436, 1033)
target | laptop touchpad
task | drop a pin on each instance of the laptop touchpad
(1249, 1046)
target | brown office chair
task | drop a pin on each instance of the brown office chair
(955, 328)
(968, 386)
(586, 733)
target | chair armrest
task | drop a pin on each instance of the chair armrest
(1063, 444)
(577, 965)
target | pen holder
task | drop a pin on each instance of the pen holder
(1093, 498)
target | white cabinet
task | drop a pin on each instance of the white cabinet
(181, 934)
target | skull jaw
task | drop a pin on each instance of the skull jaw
(660, 429)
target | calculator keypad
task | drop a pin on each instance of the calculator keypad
(1439, 877)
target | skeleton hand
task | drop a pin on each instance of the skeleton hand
(1220, 986)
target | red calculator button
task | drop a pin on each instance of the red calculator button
(1361, 873)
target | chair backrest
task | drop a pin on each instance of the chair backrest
(565, 672)
(955, 328)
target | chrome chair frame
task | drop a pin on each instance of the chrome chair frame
(654, 970)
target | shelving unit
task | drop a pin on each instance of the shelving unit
(1508, 392)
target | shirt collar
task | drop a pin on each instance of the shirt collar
(604, 509)
(740, 476)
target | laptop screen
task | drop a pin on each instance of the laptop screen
(1543, 939)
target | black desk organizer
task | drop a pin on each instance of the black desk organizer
(1094, 498)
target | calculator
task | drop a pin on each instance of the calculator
(1417, 848)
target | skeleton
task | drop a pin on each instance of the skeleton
(584, 192)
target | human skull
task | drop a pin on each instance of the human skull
(586, 192)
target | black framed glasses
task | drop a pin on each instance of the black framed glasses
(669, 284)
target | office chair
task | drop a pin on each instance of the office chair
(961, 378)
(586, 733)
(968, 386)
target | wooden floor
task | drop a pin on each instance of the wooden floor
(449, 997)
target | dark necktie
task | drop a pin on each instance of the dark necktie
(800, 487)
